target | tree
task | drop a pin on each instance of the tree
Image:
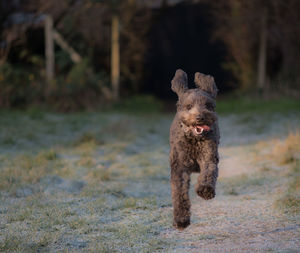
(262, 41)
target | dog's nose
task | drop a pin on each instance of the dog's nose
(200, 117)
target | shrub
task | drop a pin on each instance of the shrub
(141, 103)
(78, 89)
(18, 86)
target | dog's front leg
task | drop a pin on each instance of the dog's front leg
(206, 182)
(180, 183)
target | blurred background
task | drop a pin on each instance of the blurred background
(85, 111)
(83, 54)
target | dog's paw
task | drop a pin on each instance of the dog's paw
(205, 191)
(181, 224)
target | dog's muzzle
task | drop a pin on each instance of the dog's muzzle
(199, 129)
(196, 129)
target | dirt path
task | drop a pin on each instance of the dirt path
(92, 182)
(242, 217)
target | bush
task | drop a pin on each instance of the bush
(78, 89)
(250, 104)
(18, 86)
(140, 104)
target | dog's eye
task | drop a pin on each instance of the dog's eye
(189, 107)
(209, 106)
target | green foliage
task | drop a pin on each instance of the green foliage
(62, 60)
(140, 104)
(78, 89)
(35, 112)
(17, 86)
(248, 105)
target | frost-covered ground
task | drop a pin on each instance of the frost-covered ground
(99, 182)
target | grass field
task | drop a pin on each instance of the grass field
(99, 182)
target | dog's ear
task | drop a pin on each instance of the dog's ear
(179, 82)
(206, 83)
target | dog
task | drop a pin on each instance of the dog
(194, 140)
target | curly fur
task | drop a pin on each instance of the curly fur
(192, 151)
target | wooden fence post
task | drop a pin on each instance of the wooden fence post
(49, 48)
(262, 54)
(115, 57)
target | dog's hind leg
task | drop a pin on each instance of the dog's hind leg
(180, 183)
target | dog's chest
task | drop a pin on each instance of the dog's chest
(196, 149)
(192, 151)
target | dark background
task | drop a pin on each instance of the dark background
(220, 38)
(180, 37)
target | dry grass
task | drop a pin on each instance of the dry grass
(284, 155)
(28, 169)
(287, 151)
(243, 184)
(92, 182)
(98, 174)
(97, 186)
(290, 199)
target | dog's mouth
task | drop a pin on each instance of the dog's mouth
(199, 129)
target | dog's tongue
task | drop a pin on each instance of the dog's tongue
(199, 129)
(206, 128)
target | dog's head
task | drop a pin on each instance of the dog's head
(195, 107)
